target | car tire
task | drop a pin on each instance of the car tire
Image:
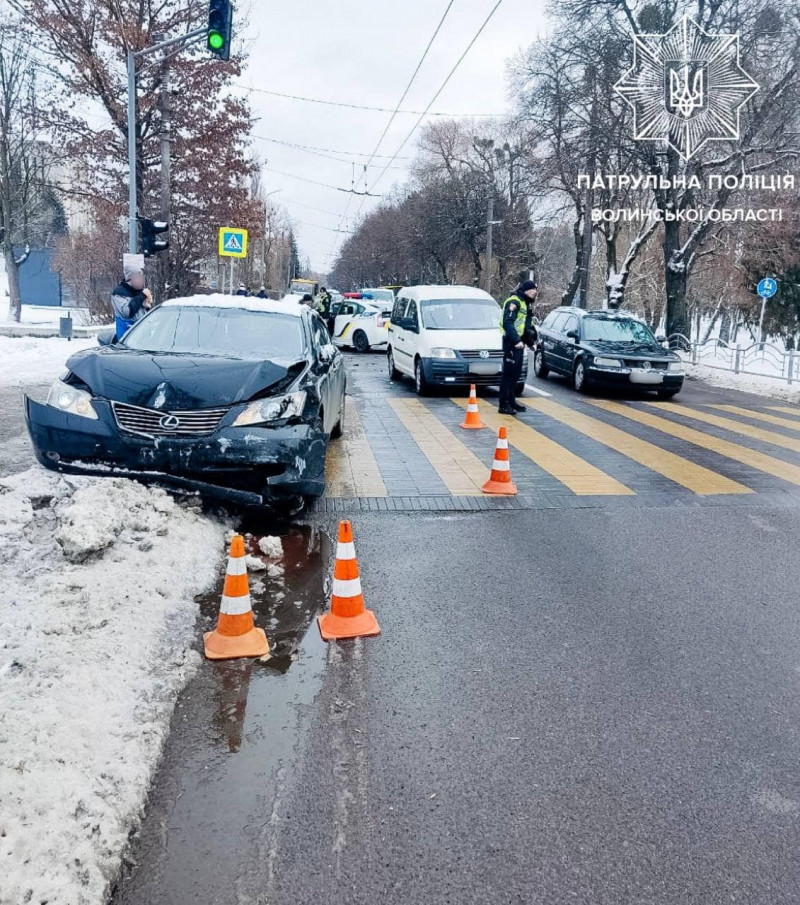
(540, 369)
(580, 377)
(360, 341)
(420, 383)
(291, 506)
(667, 394)
(338, 428)
(394, 374)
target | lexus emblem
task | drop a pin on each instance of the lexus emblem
(483, 353)
(170, 423)
(646, 366)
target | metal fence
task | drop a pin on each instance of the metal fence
(760, 359)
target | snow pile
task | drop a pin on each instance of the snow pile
(746, 383)
(29, 359)
(271, 546)
(97, 616)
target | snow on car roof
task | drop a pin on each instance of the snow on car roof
(444, 292)
(236, 301)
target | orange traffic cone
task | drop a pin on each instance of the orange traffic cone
(348, 618)
(500, 478)
(236, 634)
(472, 420)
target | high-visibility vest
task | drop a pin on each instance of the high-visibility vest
(522, 314)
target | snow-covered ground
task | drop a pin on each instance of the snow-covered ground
(760, 385)
(27, 359)
(97, 616)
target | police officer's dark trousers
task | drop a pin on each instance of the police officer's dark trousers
(512, 373)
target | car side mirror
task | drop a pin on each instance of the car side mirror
(411, 324)
(573, 334)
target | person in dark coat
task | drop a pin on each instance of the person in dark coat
(130, 300)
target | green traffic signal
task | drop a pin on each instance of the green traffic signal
(220, 22)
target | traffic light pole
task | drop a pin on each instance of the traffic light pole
(190, 37)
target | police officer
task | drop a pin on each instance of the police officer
(518, 331)
(324, 302)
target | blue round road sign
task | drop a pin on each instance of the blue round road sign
(767, 288)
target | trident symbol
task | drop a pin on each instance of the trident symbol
(681, 97)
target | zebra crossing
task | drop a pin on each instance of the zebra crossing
(411, 454)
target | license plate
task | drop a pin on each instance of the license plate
(638, 375)
(484, 368)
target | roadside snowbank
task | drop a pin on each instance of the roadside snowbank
(26, 360)
(745, 383)
(97, 615)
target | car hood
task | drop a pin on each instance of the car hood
(179, 382)
(629, 349)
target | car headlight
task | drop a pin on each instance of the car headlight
(676, 367)
(70, 399)
(608, 362)
(442, 353)
(275, 408)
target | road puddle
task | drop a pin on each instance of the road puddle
(234, 731)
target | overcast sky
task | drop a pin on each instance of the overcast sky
(364, 52)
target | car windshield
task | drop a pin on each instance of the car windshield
(616, 330)
(229, 332)
(460, 314)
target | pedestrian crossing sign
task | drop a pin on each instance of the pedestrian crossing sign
(232, 242)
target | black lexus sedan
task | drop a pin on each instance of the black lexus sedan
(605, 348)
(232, 397)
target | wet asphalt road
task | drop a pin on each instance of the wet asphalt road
(591, 706)
(16, 452)
(571, 706)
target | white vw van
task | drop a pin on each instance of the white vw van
(446, 336)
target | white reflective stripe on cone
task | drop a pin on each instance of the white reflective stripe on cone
(501, 465)
(346, 550)
(236, 565)
(235, 606)
(346, 588)
(502, 444)
(472, 407)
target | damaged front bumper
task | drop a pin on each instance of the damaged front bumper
(252, 465)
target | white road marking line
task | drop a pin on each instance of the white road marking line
(537, 390)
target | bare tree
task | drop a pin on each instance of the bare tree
(29, 211)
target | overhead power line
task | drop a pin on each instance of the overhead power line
(399, 104)
(314, 151)
(325, 185)
(316, 100)
(410, 83)
(348, 154)
(319, 210)
(444, 84)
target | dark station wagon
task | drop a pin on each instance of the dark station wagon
(605, 348)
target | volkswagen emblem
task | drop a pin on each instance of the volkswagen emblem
(483, 353)
(170, 423)
(646, 366)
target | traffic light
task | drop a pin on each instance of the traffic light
(150, 229)
(220, 22)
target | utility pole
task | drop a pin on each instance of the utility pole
(489, 228)
(490, 224)
(166, 141)
(133, 55)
